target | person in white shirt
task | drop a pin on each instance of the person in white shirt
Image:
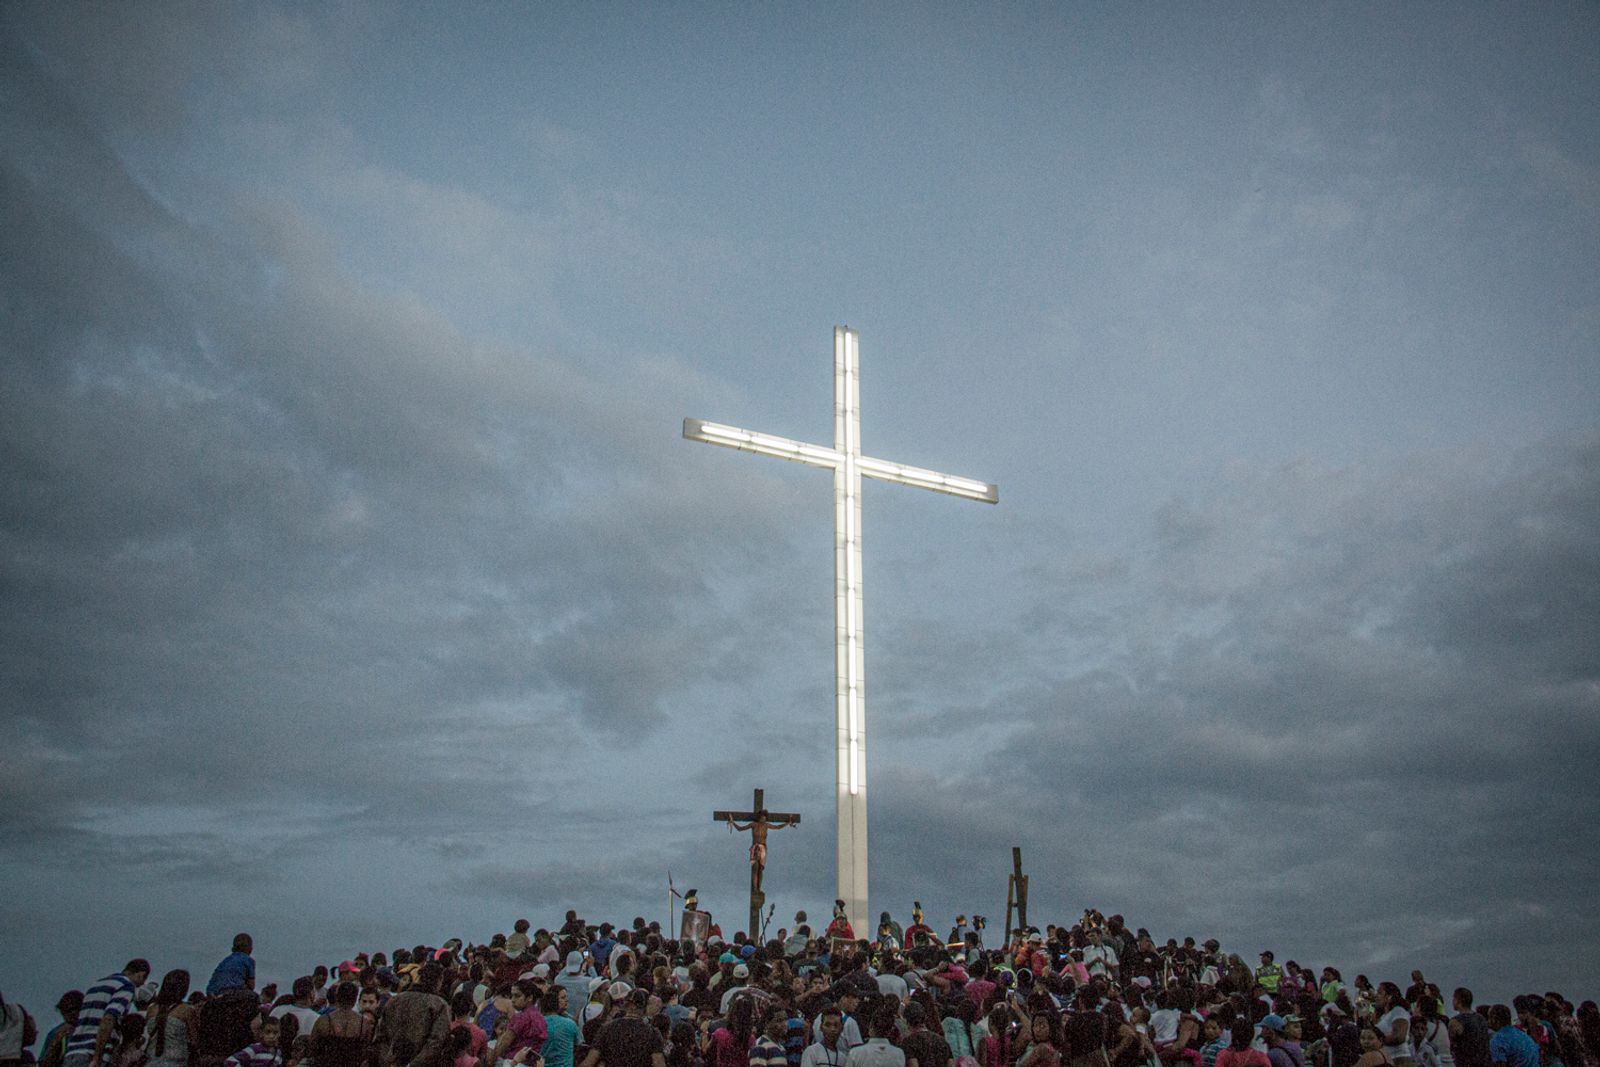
(830, 1049)
(1099, 957)
(848, 1000)
(305, 992)
(891, 982)
(1394, 1024)
(878, 1052)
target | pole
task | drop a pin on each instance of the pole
(1005, 931)
(1022, 886)
(757, 897)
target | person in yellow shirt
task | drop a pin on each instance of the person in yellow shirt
(1269, 975)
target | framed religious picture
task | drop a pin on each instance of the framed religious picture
(696, 926)
(841, 947)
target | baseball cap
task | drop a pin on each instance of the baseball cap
(1273, 1022)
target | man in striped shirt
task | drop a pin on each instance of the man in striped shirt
(94, 1039)
(1215, 1041)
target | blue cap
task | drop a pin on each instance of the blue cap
(1273, 1022)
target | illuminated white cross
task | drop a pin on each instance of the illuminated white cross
(848, 465)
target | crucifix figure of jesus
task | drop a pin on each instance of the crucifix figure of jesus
(848, 466)
(757, 821)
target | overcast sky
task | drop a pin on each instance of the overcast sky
(357, 588)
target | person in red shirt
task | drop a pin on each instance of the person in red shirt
(840, 927)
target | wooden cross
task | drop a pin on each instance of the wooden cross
(758, 821)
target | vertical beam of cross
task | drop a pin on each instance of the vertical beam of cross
(848, 466)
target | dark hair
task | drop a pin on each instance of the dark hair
(136, 965)
(1000, 1030)
(1241, 1034)
(682, 1045)
(288, 1030)
(1052, 1021)
(741, 1021)
(1499, 1016)
(1085, 1034)
(174, 987)
(242, 943)
(345, 994)
(550, 1003)
(1589, 1025)
(460, 1038)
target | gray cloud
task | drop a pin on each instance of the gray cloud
(1362, 689)
(328, 610)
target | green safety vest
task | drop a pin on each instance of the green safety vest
(1269, 975)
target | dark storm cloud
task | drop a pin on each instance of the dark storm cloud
(1350, 691)
(250, 504)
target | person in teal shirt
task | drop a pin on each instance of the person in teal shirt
(562, 1041)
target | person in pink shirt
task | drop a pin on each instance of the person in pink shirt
(1239, 1053)
(979, 989)
(526, 1028)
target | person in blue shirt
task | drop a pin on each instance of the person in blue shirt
(236, 971)
(563, 1037)
(1510, 1046)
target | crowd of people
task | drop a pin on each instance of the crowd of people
(1093, 993)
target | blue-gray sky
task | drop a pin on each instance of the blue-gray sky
(356, 588)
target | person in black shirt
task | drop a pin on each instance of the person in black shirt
(923, 1047)
(628, 1041)
(1469, 1033)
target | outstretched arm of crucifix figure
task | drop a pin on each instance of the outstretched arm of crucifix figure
(762, 824)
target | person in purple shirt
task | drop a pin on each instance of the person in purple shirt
(236, 971)
(1510, 1046)
(263, 1052)
(1281, 1052)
